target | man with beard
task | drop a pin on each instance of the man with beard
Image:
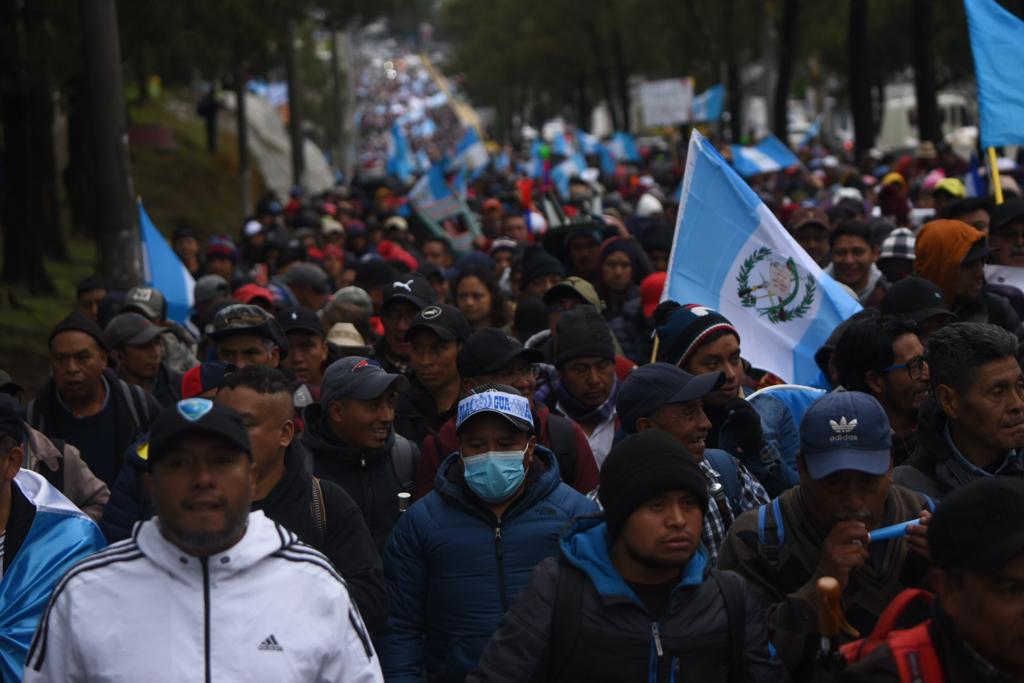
(884, 357)
(203, 563)
(822, 527)
(974, 425)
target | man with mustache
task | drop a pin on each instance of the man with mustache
(973, 426)
(822, 527)
(632, 596)
(884, 357)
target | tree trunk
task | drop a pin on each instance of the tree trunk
(117, 234)
(922, 30)
(789, 35)
(81, 184)
(858, 62)
(24, 100)
(622, 76)
(294, 105)
(242, 124)
(601, 69)
(733, 84)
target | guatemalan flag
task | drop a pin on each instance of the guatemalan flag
(470, 152)
(162, 269)
(708, 105)
(622, 147)
(589, 144)
(432, 197)
(400, 160)
(767, 156)
(731, 254)
(562, 173)
(997, 41)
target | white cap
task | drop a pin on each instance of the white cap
(648, 206)
(253, 228)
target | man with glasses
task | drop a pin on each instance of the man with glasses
(402, 300)
(884, 357)
(244, 335)
(491, 356)
(973, 427)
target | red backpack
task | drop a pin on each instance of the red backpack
(912, 648)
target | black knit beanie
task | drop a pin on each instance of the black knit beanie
(583, 333)
(642, 466)
(686, 329)
(76, 322)
(538, 263)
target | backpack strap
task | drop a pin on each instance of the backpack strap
(318, 509)
(914, 652)
(736, 623)
(566, 622)
(35, 417)
(136, 401)
(725, 465)
(403, 462)
(886, 625)
(771, 532)
(563, 445)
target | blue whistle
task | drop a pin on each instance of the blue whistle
(894, 531)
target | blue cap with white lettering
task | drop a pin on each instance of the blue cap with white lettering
(497, 399)
(845, 430)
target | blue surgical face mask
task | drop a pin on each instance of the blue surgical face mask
(495, 475)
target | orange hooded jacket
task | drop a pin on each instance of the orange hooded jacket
(938, 251)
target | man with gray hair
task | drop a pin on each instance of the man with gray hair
(973, 425)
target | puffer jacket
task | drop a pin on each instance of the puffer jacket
(66, 470)
(373, 478)
(452, 568)
(934, 469)
(618, 639)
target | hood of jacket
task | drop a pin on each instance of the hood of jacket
(939, 249)
(541, 481)
(321, 440)
(585, 545)
(296, 482)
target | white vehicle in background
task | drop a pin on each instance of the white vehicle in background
(957, 113)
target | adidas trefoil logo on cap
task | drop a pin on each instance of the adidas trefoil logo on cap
(270, 643)
(843, 427)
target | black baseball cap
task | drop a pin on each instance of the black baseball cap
(413, 288)
(979, 526)
(131, 329)
(12, 418)
(1006, 213)
(308, 274)
(489, 350)
(196, 416)
(917, 299)
(447, 322)
(978, 251)
(652, 386)
(299, 319)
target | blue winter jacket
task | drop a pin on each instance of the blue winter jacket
(452, 568)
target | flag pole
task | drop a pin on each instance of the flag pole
(993, 164)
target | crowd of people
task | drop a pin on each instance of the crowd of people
(378, 452)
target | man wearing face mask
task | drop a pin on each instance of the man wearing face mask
(823, 527)
(448, 591)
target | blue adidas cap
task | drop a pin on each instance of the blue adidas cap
(846, 430)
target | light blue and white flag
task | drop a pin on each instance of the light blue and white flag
(536, 166)
(563, 172)
(589, 144)
(470, 152)
(813, 131)
(432, 197)
(162, 269)
(608, 164)
(502, 162)
(997, 42)
(767, 156)
(731, 254)
(708, 105)
(561, 145)
(622, 147)
(400, 160)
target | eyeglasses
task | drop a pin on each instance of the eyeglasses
(914, 367)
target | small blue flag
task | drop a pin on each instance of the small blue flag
(163, 270)
(767, 156)
(708, 105)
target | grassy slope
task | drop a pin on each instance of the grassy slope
(187, 184)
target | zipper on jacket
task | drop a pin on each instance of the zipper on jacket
(499, 553)
(656, 635)
(204, 563)
(657, 652)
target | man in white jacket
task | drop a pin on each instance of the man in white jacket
(206, 590)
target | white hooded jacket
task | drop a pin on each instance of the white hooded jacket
(267, 609)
